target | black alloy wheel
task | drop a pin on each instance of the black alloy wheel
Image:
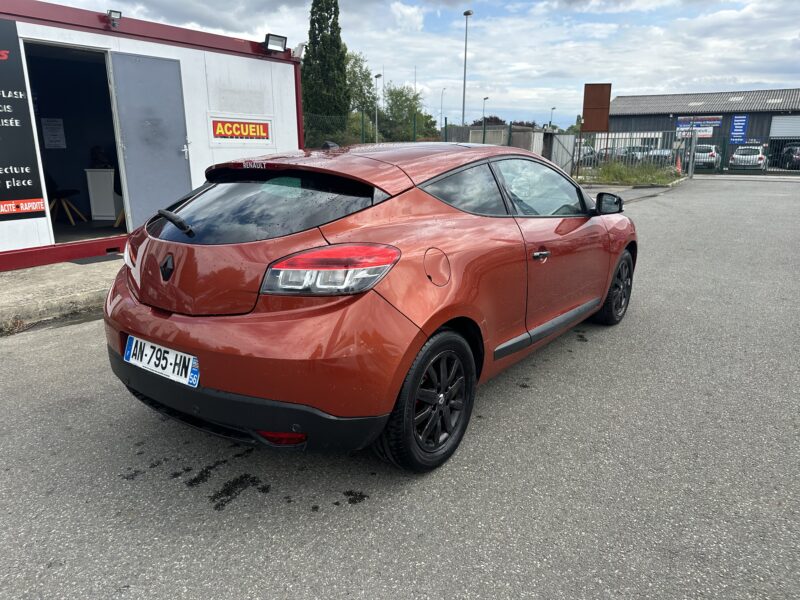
(434, 405)
(619, 292)
(439, 401)
(621, 288)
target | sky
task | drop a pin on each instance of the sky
(528, 57)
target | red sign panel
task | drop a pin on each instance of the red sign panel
(241, 130)
(18, 207)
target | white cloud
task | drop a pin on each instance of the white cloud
(538, 55)
(408, 17)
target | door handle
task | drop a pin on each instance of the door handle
(540, 254)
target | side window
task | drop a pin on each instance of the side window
(536, 189)
(472, 190)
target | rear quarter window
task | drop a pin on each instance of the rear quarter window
(473, 190)
(247, 210)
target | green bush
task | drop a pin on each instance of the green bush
(632, 174)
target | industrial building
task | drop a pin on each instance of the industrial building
(767, 118)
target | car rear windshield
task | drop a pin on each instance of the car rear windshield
(747, 151)
(249, 207)
(705, 149)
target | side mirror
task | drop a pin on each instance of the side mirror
(608, 204)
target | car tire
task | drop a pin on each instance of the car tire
(619, 293)
(416, 436)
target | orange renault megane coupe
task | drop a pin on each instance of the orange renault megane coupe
(355, 297)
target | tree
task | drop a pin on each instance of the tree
(490, 120)
(360, 83)
(324, 70)
(531, 124)
(402, 106)
(575, 129)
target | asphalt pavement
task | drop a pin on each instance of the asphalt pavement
(655, 459)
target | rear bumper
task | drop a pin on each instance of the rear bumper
(238, 417)
(345, 357)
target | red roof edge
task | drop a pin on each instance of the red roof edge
(55, 15)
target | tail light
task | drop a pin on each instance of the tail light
(712, 155)
(334, 270)
(760, 158)
(129, 257)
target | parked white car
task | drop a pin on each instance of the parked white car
(748, 157)
(707, 157)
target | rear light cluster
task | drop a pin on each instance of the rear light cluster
(128, 256)
(331, 270)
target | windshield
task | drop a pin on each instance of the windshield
(248, 211)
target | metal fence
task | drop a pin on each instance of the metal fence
(631, 156)
(771, 150)
(641, 156)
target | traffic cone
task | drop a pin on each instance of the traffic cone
(678, 164)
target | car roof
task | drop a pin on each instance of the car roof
(391, 167)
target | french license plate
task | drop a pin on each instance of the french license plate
(174, 365)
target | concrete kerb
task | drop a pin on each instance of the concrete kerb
(31, 296)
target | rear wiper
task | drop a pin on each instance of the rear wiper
(177, 221)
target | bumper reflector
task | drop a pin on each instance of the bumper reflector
(283, 438)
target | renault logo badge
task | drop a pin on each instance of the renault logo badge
(167, 267)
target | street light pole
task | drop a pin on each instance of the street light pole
(551, 117)
(483, 115)
(377, 76)
(441, 109)
(467, 15)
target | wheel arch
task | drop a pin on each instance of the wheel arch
(471, 332)
(633, 248)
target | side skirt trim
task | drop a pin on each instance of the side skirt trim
(546, 329)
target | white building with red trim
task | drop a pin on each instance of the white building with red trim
(103, 120)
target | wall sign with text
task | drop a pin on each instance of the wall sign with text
(235, 130)
(739, 129)
(20, 183)
(699, 121)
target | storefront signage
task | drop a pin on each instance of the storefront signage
(739, 129)
(695, 122)
(702, 132)
(241, 130)
(20, 183)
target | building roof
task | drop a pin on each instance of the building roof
(708, 103)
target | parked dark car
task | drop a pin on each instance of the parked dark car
(661, 156)
(790, 157)
(586, 156)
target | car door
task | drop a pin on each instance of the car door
(567, 248)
